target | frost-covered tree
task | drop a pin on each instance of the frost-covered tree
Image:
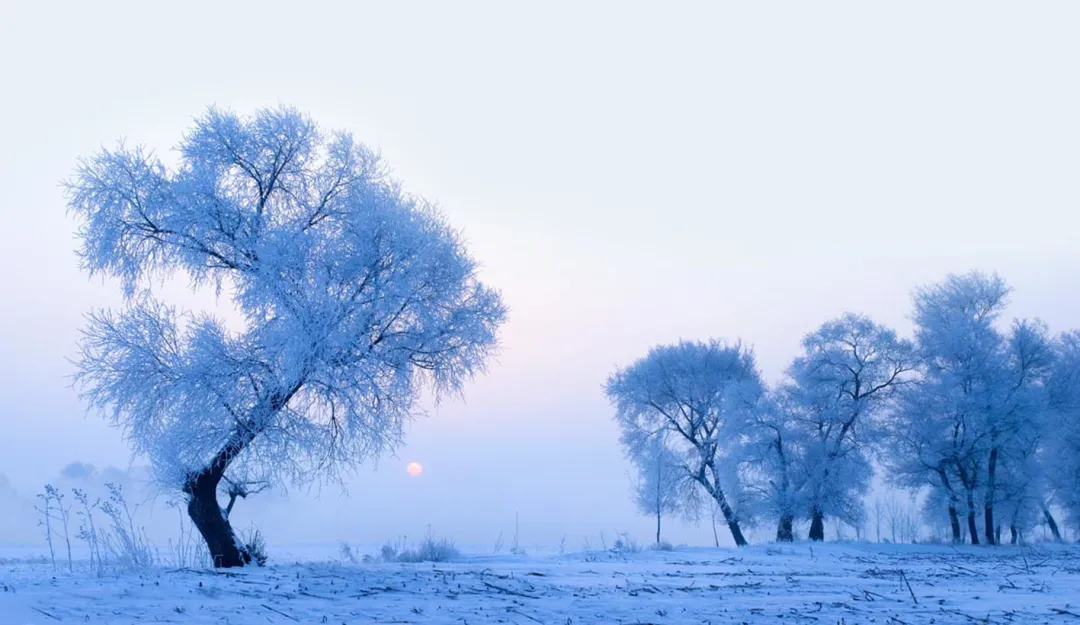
(923, 450)
(1017, 411)
(354, 297)
(1021, 491)
(840, 389)
(1062, 442)
(662, 487)
(973, 418)
(699, 396)
(773, 461)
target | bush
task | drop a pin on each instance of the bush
(389, 552)
(663, 545)
(625, 544)
(120, 544)
(347, 554)
(255, 545)
(431, 549)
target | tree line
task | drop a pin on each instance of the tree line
(979, 414)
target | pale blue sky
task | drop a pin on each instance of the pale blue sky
(627, 173)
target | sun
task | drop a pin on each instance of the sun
(414, 469)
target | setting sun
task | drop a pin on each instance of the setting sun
(414, 469)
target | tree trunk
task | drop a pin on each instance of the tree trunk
(973, 528)
(715, 536)
(736, 533)
(988, 507)
(997, 535)
(784, 530)
(658, 528)
(718, 495)
(732, 521)
(1015, 536)
(205, 511)
(954, 522)
(1052, 523)
(817, 526)
(207, 516)
(970, 484)
(954, 517)
(201, 488)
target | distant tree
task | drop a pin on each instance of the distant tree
(354, 295)
(77, 471)
(699, 396)
(1062, 443)
(662, 486)
(840, 390)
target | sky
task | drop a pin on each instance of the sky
(627, 174)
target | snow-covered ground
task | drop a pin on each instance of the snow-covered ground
(831, 583)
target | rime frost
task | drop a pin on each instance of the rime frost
(353, 294)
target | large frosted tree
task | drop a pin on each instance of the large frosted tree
(354, 297)
(840, 389)
(699, 396)
(971, 424)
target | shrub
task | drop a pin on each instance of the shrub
(254, 545)
(347, 554)
(625, 544)
(126, 546)
(430, 549)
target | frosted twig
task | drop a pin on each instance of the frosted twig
(288, 616)
(509, 592)
(904, 577)
(512, 610)
(53, 617)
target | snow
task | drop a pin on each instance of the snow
(800, 583)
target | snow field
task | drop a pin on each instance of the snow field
(801, 583)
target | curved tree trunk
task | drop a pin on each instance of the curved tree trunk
(784, 530)
(207, 516)
(204, 509)
(817, 526)
(201, 487)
